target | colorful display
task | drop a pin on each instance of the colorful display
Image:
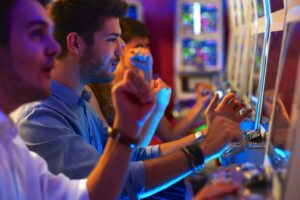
(208, 17)
(132, 12)
(201, 54)
(260, 8)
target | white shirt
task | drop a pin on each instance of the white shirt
(24, 175)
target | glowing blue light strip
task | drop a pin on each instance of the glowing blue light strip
(267, 11)
(197, 19)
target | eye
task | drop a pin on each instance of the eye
(37, 34)
(112, 39)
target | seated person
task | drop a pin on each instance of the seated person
(27, 54)
(68, 133)
(137, 39)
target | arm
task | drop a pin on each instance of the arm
(131, 114)
(163, 95)
(168, 133)
(217, 191)
(165, 170)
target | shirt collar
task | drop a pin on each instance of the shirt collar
(66, 94)
(8, 130)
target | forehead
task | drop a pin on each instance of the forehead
(111, 25)
(28, 11)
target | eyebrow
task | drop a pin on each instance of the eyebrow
(37, 22)
(114, 34)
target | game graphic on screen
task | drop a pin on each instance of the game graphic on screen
(200, 54)
(208, 17)
(260, 8)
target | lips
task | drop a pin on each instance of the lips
(47, 71)
(114, 64)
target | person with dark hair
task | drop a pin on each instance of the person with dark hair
(27, 54)
(137, 38)
(68, 133)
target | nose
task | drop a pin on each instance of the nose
(53, 48)
(120, 47)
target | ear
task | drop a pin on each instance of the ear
(75, 43)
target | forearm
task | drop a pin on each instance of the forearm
(183, 127)
(164, 171)
(150, 126)
(188, 122)
(113, 163)
(170, 147)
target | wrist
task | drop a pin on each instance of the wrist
(126, 127)
(118, 137)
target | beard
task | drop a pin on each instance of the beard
(93, 69)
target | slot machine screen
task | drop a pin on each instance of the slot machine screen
(240, 64)
(200, 54)
(272, 70)
(132, 11)
(260, 8)
(281, 138)
(203, 15)
(276, 5)
(257, 65)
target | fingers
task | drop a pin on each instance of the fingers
(245, 114)
(213, 104)
(217, 191)
(134, 84)
(227, 99)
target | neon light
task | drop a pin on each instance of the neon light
(197, 18)
(164, 186)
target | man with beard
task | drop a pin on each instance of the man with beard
(27, 54)
(67, 132)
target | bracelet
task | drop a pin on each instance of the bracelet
(199, 136)
(119, 138)
(195, 158)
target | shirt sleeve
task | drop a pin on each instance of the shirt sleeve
(144, 153)
(59, 186)
(49, 135)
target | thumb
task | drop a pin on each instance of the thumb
(213, 104)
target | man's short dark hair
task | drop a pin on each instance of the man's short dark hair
(133, 28)
(6, 7)
(84, 17)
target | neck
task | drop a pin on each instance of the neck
(67, 72)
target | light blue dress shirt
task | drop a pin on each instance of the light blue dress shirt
(71, 137)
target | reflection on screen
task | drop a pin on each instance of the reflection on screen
(201, 54)
(272, 69)
(257, 64)
(282, 110)
(208, 17)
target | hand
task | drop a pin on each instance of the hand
(133, 102)
(162, 93)
(229, 107)
(217, 191)
(141, 58)
(218, 135)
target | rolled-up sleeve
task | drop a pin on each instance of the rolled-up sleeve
(144, 153)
